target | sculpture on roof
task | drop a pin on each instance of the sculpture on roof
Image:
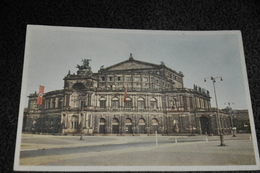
(131, 56)
(85, 64)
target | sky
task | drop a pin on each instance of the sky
(51, 52)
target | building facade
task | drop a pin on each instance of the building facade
(129, 98)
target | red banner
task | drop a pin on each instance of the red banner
(40, 95)
(125, 95)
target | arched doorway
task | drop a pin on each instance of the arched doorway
(128, 125)
(154, 126)
(115, 128)
(102, 128)
(141, 124)
(204, 121)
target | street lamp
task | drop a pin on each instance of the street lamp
(219, 126)
(230, 112)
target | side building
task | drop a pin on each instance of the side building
(129, 98)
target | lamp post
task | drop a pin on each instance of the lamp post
(219, 126)
(229, 109)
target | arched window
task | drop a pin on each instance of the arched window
(60, 103)
(153, 103)
(115, 103)
(102, 121)
(128, 103)
(115, 121)
(78, 87)
(53, 103)
(102, 128)
(48, 104)
(141, 121)
(74, 122)
(154, 121)
(102, 103)
(128, 120)
(140, 103)
(82, 103)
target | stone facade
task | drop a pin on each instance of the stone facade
(128, 98)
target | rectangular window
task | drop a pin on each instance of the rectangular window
(137, 78)
(118, 78)
(140, 104)
(53, 104)
(103, 78)
(82, 104)
(128, 104)
(102, 103)
(128, 78)
(115, 104)
(153, 105)
(110, 78)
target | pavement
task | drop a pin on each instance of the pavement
(36, 142)
(169, 151)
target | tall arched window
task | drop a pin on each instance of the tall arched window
(102, 128)
(74, 122)
(153, 103)
(53, 103)
(102, 103)
(64, 120)
(128, 103)
(60, 103)
(140, 103)
(115, 103)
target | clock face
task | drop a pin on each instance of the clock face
(40, 94)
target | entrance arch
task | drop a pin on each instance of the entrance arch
(128, 124)
(154, 125)
(204, 121)
(115, 128)
(102, 126)
(141, 124)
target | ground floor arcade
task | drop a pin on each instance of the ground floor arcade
(123, 123)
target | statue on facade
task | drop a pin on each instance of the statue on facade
(85, 64)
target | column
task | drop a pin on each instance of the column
(97, 98)
(69, 100)
(146, 103)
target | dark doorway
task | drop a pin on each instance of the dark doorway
(204, 121)
(115, 127)
(102, 128)
(128, 125)
(141, 124)
(154, 126)
(142, 129)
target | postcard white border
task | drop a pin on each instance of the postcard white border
(17, 167)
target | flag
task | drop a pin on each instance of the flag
(40, 95)
(125, 95)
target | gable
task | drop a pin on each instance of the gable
(128, 65)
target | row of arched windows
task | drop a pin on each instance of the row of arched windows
(75, 121)
(128, 103)
(128, 120)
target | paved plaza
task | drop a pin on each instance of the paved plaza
(136, 150)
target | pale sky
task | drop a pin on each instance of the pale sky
(52, 51)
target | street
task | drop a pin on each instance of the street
(135, 150)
